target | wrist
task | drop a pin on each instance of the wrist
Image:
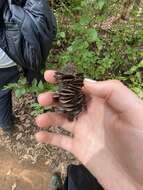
(110, 174)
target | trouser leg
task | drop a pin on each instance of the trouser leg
(5, 108)
(7, 75)
(79, 178)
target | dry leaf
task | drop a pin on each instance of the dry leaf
(13, 186)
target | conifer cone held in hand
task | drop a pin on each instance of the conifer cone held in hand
(70, 98)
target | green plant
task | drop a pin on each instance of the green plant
(22, 87)
(37, 109)
(136, 78)
(102, 55)
(84, 48)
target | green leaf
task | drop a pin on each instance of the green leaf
(135, 68)
(77, 8)
(85, 20)
(62, 35)
(40, 86)
(23, 91)
(101, 4)
(35, 105)
(34, 83)
(92, 35)
(20, 92)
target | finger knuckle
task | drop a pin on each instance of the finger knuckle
(117, 83)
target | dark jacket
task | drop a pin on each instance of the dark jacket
(27, 30)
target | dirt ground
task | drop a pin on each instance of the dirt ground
(16, 176)
(24, 163)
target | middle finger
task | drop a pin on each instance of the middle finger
(46, 99)
(54, 119)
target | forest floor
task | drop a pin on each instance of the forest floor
(22, 176)
(24, 163)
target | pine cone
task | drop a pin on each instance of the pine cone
(70, 99)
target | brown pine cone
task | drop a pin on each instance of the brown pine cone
(69, 97)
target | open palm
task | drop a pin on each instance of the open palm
(107, 138)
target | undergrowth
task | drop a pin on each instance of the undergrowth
(115, 53)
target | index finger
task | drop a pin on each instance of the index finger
(115, 93)
(49, 76)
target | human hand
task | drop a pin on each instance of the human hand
(107, 138)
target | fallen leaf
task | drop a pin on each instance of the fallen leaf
(13, 186)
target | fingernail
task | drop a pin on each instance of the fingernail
(37, 120)
(38, 138)
(90, 80)
(40, 96)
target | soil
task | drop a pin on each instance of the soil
(16, 176)
(24, 163)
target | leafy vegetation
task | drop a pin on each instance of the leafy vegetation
(100, 39)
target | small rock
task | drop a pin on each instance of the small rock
(19, 136)
(32, 137)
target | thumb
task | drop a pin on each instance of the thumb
(115, 93)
